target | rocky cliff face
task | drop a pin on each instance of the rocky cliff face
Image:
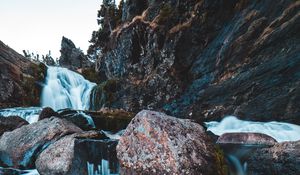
(204, 59)
(20, 79)
(72, 57)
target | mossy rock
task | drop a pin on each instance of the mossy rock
(105, 119)
(91, 75)
(164, 13)
(32, 84)
(104, 94)
(222, 167)
(111, 119)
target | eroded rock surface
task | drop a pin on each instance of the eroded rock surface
(71, 57)
(207, 59)
(155, 143)
(20, 147)
(246, 139)
(112, 120)
(282, 158)
(20, 79)
(70, 154)
(11, 123)
(47, 112)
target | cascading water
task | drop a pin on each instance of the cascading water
(66, 89)
(278, 130)
(30, 114)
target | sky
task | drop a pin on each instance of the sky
(38, 25)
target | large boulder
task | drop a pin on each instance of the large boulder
(246, 139)
(11, 123)
(155, 143)
(47, 112)
(20, 147)
(73, 154)
(79, 118)
(282, 158)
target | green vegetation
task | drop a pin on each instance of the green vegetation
(46, 59)
(111, 119)
(222, 168)
(109, 17)
(103, 95)
(164, 13)
(32, 84)
(91, 75)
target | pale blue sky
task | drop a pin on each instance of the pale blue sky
(38, 25)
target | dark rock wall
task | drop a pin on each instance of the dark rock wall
(204, 59)
(72, 57)
(20, 79)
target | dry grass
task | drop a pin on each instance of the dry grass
(181, 26)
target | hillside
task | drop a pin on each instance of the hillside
(204, 59)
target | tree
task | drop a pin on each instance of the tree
(108, 18)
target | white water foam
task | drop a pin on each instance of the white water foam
(66, 89)
(278, 130)
(30, 172)
(102, 169)
(114, 136)
(89, 119)
(30, 114)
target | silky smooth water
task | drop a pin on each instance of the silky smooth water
(278, 130)
(31, 114)
(66, 89)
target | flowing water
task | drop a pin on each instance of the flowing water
(31, 114)
(63, 89)
(278, 130)
(66, 89)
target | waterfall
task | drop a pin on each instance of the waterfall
(66, 89)
(278, 130)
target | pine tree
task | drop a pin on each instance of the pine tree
(109, 17)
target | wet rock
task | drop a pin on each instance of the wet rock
(20, 147)
(70, 154)
(246, 139)
(155, 143)
(112, 120)
(282, 158)
(47, 112)
(11, 123)
(239, 146)
(79, 118)
(71, 57)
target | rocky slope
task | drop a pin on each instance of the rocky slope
(20, 79)
(204, 59)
